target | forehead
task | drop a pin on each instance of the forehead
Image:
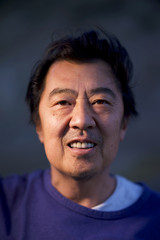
(80, 76)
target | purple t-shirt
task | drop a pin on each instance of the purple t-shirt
(31, 208)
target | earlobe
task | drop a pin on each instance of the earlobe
(39, 132)
(124, 126)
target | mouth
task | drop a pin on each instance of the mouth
(81, 145)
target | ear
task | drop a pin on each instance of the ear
(39, 131)
(124, 126)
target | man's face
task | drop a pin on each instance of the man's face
(81, 118)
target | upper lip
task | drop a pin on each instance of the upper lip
(82, 140)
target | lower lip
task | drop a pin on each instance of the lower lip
(82, 151)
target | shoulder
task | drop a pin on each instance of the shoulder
(152, 195)
(150, 204)
(149, 213)
(13, 181)
(15, 192)
(14, 187)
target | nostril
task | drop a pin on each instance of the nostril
(75, 127)
(82, 116)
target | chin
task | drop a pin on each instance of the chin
(83, 175)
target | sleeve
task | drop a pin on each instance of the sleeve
(5, 218)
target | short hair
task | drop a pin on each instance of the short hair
(87, 47)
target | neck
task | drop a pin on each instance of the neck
(86, 192)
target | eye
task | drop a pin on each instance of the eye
(100, 102)
(63, 103)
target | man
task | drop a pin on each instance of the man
(80, 102)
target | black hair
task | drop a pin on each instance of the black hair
(86, 47)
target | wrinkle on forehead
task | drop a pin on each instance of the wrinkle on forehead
(95, 68)
(90, 93)
(85, 79)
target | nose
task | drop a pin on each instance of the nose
(82, 116)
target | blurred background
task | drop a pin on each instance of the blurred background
(26, 28)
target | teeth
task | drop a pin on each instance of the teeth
(82, 145)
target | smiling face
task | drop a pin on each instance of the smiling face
(81, 118)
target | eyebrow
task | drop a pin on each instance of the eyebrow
(61, 90)
(102, 90)
(91, 92)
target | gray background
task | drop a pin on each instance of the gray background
(25, 30)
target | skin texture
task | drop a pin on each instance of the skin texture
(81, 102)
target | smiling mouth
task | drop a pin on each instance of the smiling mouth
(82, 145)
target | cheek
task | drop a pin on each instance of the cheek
(53, 148)
(111, 130)
(53, 126)
(54, 131)
(111, 145)
(59, 124)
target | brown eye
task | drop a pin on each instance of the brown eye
(63, 103)
(100, 101)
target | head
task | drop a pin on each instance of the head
(80, 101)
(87, 47)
